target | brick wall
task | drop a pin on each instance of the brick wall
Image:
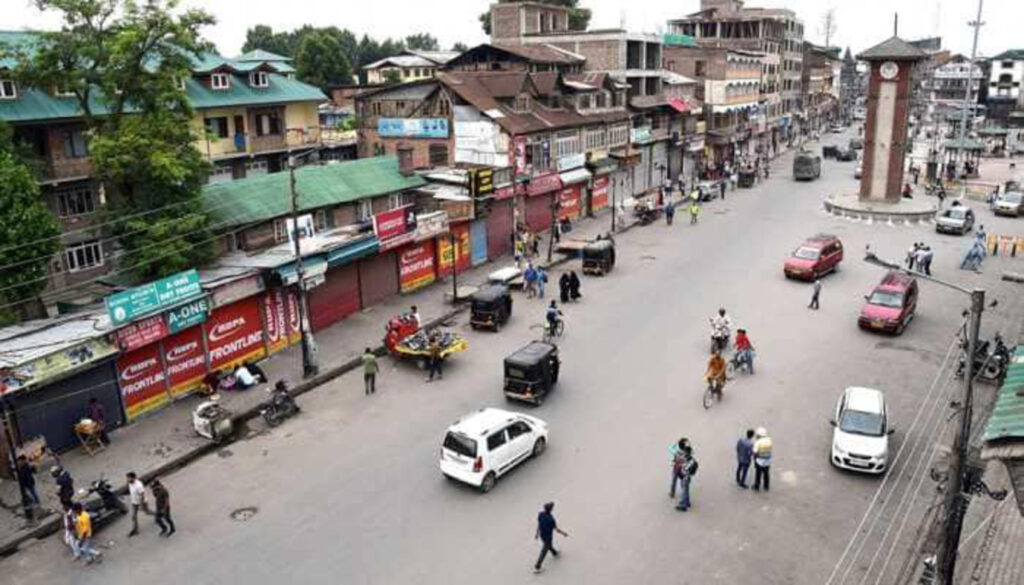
(505, 22)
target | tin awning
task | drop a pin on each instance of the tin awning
(575, 176)
(353, 251)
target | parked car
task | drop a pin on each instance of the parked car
(829, 151)
(860, 439)
(891, 306)
(846, 154)
(856, 144)
(484, 445)
(1010, 203)
(818, 255)
(835, 129)
(955, 220)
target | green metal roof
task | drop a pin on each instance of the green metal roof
(280, 90)
(1010, 55)
(261, 55)
(265, 197)
(678, 40)
(1007, 419)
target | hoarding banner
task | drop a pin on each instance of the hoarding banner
(126, 306)
(599, 193)
(276, 319)
(569, 202)
(544, 184)
(392, 223)
(141, 333)
(187, 316)
(412, 127)
(140, 374)
(234, 335)
(416, 266)
(463, 251)
(185, 361)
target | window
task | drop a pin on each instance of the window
(496, 440)
(259, 79)
(619, 99)
(522, 103)
(220, 81)
(438, 155)
(280, 230)
(8, 91)
(221, 174)
(322, 220)
(75, 201)
(538, 155)
(75, 145)
(255, 168)
(268, 124)
(397, 200)
(618, 135)
(517, 430)
(699, 68)
(365, 210)
(595, 138)
(1007, 64)
(84, 255)
(217, 127)
(602, 99)
(568, 143)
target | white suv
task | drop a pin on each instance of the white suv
(484, 445)
(860, 440)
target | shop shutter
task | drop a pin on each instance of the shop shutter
(378, 277)
(478, 241)
(538, 212)
(335, 299)
(499, 229)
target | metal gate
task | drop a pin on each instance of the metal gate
(538, 212)
(378, 278)
(499, 229)
(335, 299)
(478, 242)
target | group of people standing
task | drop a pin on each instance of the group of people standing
(920, 257)
(755, 447)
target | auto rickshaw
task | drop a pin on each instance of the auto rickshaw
(746, 178)
(531, 372)
(599, 257)
(490, 307)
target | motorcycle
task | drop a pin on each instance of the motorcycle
(280, 406)
(104, 509)
(990, 360)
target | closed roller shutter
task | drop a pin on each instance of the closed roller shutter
(499, 229)
(538, 212)
(335, 299)
(378, 278)
(478, 241)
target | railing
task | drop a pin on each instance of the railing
(69, 168)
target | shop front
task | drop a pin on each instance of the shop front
(459, 254)
(540, 197)
(416, 266)
(499, 221)
(570, 197)
(599, 193)
(234, 335)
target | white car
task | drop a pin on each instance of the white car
(484, 445)
(860, 440)
(858, 171)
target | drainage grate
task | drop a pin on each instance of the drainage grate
(244, 514)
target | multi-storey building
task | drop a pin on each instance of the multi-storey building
(249, 114)
(820, 100)
(409, 65)
(947, 85)
(1005, 79)
(776, 33)
(849, 86)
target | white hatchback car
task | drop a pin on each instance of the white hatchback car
(484, 445)
(860, 440)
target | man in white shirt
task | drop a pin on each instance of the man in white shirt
(137, 498)
(243, 377)
(415, 314)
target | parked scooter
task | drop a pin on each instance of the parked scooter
(280, 406)
(990, 360)
(104, 509)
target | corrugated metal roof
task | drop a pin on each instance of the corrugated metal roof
(261, 198)
(892, 48)
(261, 55)
(1007, 418)
(281, 89)
(32, 340)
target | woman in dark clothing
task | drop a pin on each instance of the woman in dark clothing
(574, 285)
(563, 286)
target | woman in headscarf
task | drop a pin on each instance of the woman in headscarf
(574, 285)
(563, 287)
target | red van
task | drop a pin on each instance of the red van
(892, 304)
(818, 255)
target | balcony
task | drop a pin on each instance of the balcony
(250, 143)
(57, 171)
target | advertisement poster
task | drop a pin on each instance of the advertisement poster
(140, 374)
(416, 266)
(294, 329)
(281, 323)
(569, 202)
(462, 250)
(186, 361)
(390, 223)
(599, 193)
(188, 315)
(519, 155)
(234, 335)
(141, 333)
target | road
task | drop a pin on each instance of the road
(351, 492)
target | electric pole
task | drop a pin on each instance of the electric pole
(976, 25)
(309, 363)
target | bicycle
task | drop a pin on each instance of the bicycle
(734, 364)
(552, 332)
(711, 392)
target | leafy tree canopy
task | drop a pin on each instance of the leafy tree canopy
(422, 42)
(320, 61)
(460, 47)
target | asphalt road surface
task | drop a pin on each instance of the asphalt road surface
(350, 492)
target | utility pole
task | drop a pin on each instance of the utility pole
(455, 268)
(309, 363)
(976, 25)
(554, 225)
(957, 497)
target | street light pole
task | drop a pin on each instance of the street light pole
(309, 362)
(976, 24)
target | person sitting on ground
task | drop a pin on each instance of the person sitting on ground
(257, 372)
(243, 377)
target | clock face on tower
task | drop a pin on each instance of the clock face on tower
(889, 70)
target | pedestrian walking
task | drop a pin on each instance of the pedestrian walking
(71, 532)
(530, 278)
(435, 360)
(927, 260)
(564, 283)
(370, 370)
(686, 473)
(542, 279)
(744, 453)
(137, 499)
(722, 188)
(911, 256)
(762, 459)
(25, 473)
(162, 502)
(670, 212)
(921, 258)
(83, 530)
(99, 416)
(547, 526)
(694, 210)
(677, 456)
(816, 292)
(65, 484)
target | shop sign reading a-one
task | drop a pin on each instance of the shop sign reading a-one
(126, 306)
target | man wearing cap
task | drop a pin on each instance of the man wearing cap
(762, 459)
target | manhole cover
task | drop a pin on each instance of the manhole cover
(244, 514)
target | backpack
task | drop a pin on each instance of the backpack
(678, 460)
(692, 469)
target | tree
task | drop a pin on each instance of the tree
(422, 42)
(263, 37)
(132, 58)
(579, 18)
(24, 219)
(320, 61)
(459, 47)
(392, 77)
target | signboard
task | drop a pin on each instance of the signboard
(412, 127)
(185, 360)
(431, 224)
(544, 184)
(234, 335)
(186, 316)
(599, 193)
(481, 181)
(457, 210)
(126, 306)
(505, 192)
(282, 328)
(572, 161)
(57, 363)
(462, 250)
(642, 134)
(569, 203)
(393, 223)
(519, 155)
(141, 333)
(140, 374)
(416, 266)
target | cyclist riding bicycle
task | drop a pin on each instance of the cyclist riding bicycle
(721, 327)
(744, 350)
(715, 375)
(553, 316)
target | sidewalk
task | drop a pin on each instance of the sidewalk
(165, 440)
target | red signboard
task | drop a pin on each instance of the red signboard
(391, 223)
(569, 204)
(463, 250)
(416, 266)
(141, 333)
(140, 374)
(505, 192)
(277, 321)
(599, 193)
(294, 329)
(234, 335)
(544, 184)
(185, 359)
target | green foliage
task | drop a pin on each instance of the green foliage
(392, 77)
(320, 61)
(579, 18)
(422, 42)
(460, 47)
(24, 218)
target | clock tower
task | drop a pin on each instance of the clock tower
(890, 89)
